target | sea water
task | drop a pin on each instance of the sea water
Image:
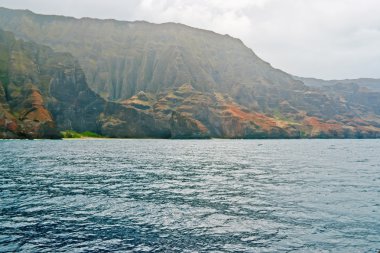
(190, 196)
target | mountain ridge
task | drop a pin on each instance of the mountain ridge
(109, 75)
(173, 81)
(370, 83)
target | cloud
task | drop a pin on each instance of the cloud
(328, 39)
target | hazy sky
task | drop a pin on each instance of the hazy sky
(317, 38)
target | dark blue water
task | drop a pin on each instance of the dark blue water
(190, 196)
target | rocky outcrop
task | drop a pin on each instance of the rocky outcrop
(8, 123)
(128, 122)
(194, 114)
(23, 111)
(185, 127)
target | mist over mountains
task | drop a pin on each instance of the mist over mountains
(137, 79)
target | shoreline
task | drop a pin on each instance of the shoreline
(109, 138)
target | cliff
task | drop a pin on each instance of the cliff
(136, 79)
(43, 92)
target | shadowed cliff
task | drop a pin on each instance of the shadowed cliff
(42, 92)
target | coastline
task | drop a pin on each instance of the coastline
(149, 138)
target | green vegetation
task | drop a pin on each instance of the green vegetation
(4, 63)
(91, 134)
(279, 116)
(70, 134)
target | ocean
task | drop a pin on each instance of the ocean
(143, 195)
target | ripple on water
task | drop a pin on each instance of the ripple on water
(190, 196)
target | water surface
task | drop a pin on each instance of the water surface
(190, 196)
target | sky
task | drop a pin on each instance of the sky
(328, 39)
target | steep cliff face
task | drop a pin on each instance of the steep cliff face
(8, 123)
(123, 58)
(23, 109)
(43, 92)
